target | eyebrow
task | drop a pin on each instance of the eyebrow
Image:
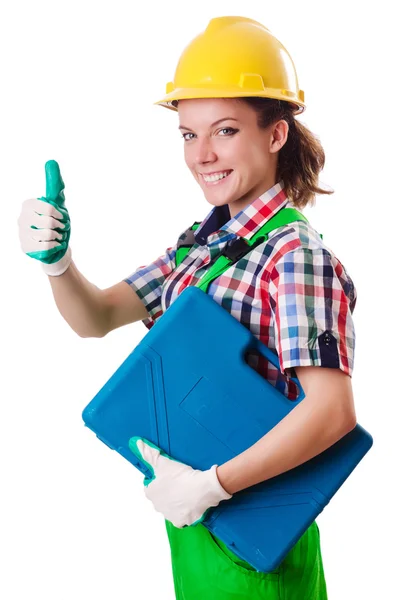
(213, 124)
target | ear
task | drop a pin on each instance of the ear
(279, 136)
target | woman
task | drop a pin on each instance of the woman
(236, 94)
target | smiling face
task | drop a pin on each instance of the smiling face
(233, 160)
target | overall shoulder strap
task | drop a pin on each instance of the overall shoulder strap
(285, 216)
(185, 242)
(237, 248)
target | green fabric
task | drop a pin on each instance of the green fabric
(204, 568)
(283, 217)
(182, 251)
(55, 196)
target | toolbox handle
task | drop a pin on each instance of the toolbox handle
(272, 357)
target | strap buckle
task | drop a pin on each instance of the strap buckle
(235, 249)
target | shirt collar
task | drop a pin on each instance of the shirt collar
(217, 226)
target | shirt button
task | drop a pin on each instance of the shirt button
(327, 338)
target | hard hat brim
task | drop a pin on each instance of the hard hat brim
(221, 92)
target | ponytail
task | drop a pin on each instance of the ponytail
(301, 158)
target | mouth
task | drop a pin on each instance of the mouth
(217, 179)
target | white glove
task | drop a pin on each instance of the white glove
(44, 225)
(182, 494)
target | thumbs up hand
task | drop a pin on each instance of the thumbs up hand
(44, 225)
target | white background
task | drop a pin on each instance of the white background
(78, 84)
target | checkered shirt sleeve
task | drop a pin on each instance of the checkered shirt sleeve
(147, 281)
(312, 299)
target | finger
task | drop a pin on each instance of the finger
(33, 247)
(31, 221)
(45, 235)
(146, 452)
(45, 222)
(54, 183)
(149, 454)
(41, 207)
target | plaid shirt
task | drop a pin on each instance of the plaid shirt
(290, 291)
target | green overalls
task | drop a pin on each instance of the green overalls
(203, 567)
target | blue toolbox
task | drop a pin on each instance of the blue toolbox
(187, 388)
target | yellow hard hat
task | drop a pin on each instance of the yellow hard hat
(235, 57)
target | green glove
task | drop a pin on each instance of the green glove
(44, 225)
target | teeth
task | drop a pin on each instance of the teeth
(216, 177)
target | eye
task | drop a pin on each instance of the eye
(185, 134)
(229, 129)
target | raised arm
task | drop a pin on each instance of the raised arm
(44, 232)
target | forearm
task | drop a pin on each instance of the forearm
(80, 302)
(310, 428)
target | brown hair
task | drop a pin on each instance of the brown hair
(301, 158)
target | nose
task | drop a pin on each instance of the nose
(204, 151)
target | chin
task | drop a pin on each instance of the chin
(219, 198)
(217, 201)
